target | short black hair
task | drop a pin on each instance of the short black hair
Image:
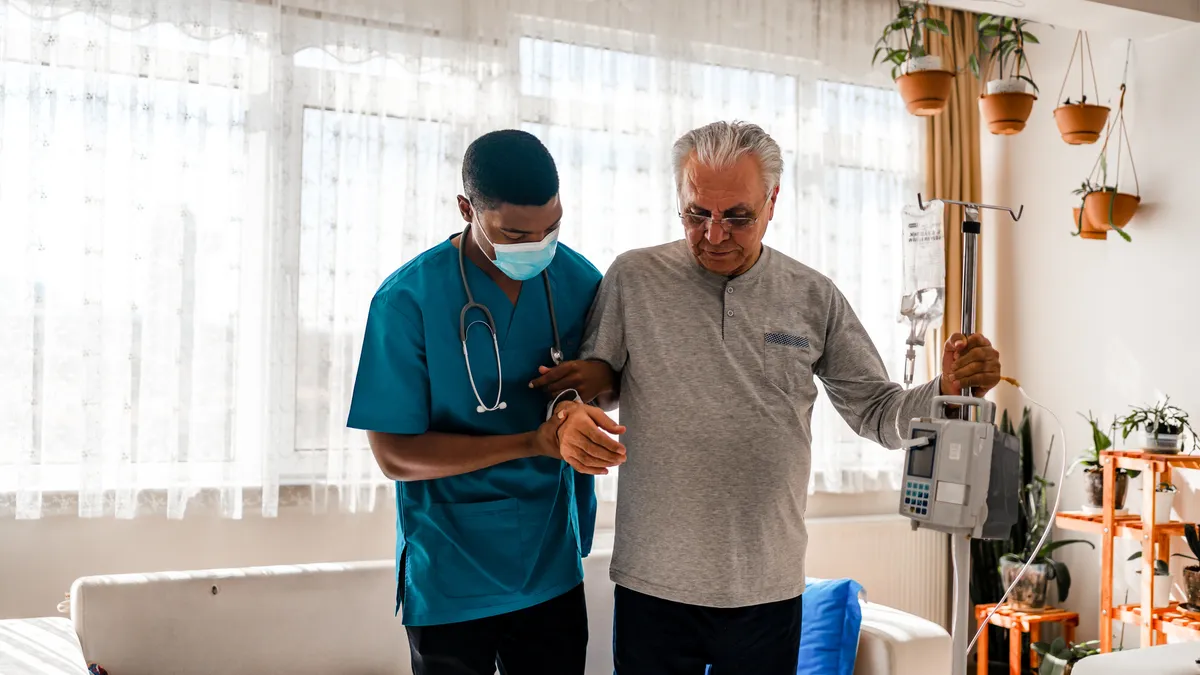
(508, 166)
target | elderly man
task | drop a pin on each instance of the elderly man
(712, 344)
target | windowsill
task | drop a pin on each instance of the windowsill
(205, 503)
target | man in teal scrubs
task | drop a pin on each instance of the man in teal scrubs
(491, 522)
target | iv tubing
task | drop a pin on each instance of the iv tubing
(1049, 526)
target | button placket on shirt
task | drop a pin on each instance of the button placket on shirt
(728, 305)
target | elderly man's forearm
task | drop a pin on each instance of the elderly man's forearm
(437, 455)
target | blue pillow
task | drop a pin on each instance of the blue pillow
(830, 626)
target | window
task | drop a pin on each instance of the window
(199, 203)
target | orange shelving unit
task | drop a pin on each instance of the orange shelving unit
(1156, 545)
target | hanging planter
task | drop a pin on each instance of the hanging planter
(1080, 122)
(1104, 205)
(1007, 101)
(924, 84)
(1084, 226)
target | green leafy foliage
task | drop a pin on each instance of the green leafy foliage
(1088, 187)
(1057, 656)
(1089, 459)
(913, 24)
(1160, 566)
(1193, 541)
(1161, 418)
(1002, 39)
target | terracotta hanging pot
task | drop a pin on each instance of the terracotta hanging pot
(925, 92)
(1086, 229)
(1081, 123)
(1006, 113)
(1108, 207)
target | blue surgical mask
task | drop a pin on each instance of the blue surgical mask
(525, 260)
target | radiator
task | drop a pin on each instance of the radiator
(898, 567)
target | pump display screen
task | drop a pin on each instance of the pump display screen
(920, 460)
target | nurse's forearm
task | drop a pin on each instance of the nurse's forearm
(437, 455)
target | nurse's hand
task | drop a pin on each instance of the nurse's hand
(590, 378)
(582, 441)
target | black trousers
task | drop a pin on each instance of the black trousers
(546, 639)
(652, 636)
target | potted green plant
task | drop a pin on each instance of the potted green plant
(1191, 573)
(1080, 122)
(1089, 459)
(924, 84)
(1058, 657)
(1029, 594)
(1114, 217)
(1162, 581)
(1006, 102)
(1164, 495)
(1161, 426)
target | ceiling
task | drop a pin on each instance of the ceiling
(1136, 19)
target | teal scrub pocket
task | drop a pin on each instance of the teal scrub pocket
(479, 551)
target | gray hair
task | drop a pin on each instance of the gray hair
(720, 144)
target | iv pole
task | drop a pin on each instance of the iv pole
(960, 547)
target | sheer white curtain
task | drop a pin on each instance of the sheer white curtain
(198, 198)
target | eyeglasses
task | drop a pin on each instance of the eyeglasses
(696, 221)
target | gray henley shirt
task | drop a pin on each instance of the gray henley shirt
(717, 394)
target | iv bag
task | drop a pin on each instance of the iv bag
(924, 298)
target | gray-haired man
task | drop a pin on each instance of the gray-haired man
(712, 344)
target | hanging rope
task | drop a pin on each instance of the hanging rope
(1067, 75)
(1083, 44)
(1118, 125)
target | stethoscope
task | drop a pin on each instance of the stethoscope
(556, 354)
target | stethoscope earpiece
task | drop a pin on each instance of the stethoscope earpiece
(503, 405)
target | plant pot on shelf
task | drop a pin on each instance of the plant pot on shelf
(1080, 123)
(1162, 507)
(1006, 106)
(1162, 443)
(1162, 589)
(1088, 230)
(1106, 207)
(1095, 489)
(1029, 595)
(1191, 584)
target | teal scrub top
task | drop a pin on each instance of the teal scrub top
(502, 538)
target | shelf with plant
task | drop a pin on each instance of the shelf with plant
(923, 83)
(1184, 618)
(1006, 102)
(1093, 470)
(1161, 427)
(1080, 122)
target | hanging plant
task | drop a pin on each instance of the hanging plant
(1080, 122)
(1006, 102)
(1104, 206)
(924, 84)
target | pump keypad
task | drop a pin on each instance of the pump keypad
(916, 497)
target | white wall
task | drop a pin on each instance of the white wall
(1091, 325)
(40, 558)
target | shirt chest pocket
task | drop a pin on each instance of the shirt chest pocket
(787, 359)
